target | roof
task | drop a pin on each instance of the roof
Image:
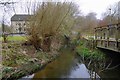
(20, 17)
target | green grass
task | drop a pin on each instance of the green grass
(90, 54)
(14, 38)
(1, 38)
(84, 51)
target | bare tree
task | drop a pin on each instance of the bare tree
(50, 20)
(6, 8)
(111, 16)
(86, 24)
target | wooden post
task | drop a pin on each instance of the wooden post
(116, 36)
(101, 36)
(107, 35)
(95, 43)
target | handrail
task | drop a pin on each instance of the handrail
(108, 25)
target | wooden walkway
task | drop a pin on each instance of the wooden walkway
(108, 37)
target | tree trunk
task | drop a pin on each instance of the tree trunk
(5, 38)
(46, 43)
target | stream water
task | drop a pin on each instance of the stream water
(67, 65)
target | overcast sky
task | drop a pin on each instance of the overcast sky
(97, 6)
(86, 6)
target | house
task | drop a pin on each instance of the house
(19, 22)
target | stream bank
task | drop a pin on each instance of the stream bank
(105, 63)
(13, 73)
(67, 65)
(19, 60)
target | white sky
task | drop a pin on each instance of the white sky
(86, 6)
(97, 6)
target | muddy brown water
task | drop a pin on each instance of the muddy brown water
(67, 65)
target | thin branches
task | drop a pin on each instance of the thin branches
(64, 17)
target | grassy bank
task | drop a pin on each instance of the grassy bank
(94, 59)
(13, 73)
(19, 60)
(14, 38)
(90, 54)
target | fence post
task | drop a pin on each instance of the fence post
(117, 35)
(108, 35)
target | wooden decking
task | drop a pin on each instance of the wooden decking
(108, 37)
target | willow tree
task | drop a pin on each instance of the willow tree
(51, 19)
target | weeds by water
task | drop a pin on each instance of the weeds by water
(19, 60)
(94, 59)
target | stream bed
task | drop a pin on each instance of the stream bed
(67, 65)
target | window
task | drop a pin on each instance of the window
(19, 24)
(24, 24)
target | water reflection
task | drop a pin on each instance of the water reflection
(29, 77)
(80, 72)
(66, 66)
